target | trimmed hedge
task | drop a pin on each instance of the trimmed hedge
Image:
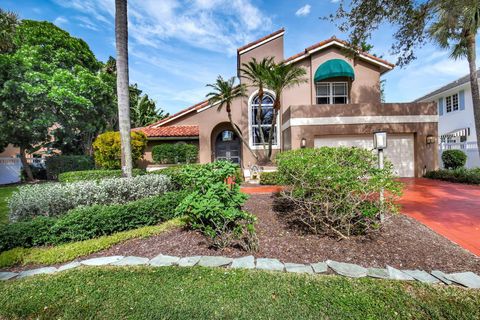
(461, 175)
(59, 164)
(107, 149)
(75, 176)
(167, 153)
(90, 222)
(269, 178)
(454, 159)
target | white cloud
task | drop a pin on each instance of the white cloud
(85, 22)
(303, 11)
(59, 21)
(334, 1)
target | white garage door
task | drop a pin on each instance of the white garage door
(399, 150)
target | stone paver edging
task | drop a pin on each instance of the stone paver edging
(466, 279)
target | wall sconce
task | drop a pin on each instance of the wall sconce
(303, 143)
(380, 140)
(431, 139)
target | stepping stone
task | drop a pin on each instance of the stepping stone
(7, 275)
(188, 261)
(347, 269)
(441, 276)
(28, 273)
(163, 261)
(378, 273)
(247, 262)
(466, 279)
(131, 261)
(102, 261)
(422, 276)
(269, 264)
(319, 267)
(213, 261)
(71, 265)
(396, 274)
(298, 268)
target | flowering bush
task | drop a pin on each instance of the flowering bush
(52, 199)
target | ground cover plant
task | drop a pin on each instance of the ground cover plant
(53, 199)
(460, 175)
(196, 293)
(5, 193)
(70, 251)
(90, 175)
(89, 222)
(168, 153)
(454, 159)
(335, 191)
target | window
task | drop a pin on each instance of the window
(451, 103)
(266, 120)
(332, 92)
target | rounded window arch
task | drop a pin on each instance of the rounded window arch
(261, 119)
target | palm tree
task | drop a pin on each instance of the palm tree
(224, 93)
(256, 71)
(121, 37)
(281, 77)
(456, 28)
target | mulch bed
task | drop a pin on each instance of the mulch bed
(403, 243)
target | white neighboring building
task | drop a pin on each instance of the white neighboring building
(456, 125)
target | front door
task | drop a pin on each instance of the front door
(227, 147)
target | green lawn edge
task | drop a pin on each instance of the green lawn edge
(219, 293)
(70, 251)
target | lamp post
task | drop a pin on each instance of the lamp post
(380, 143)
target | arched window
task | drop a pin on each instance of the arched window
(266, 119)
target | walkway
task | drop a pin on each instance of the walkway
(450, 209)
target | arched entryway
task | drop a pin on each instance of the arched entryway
(228, 146)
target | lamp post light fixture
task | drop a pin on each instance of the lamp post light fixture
(380, 143)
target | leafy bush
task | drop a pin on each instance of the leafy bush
(52, 199)
(107, 149)
(175, 153)
(86, 175)
(90, 222)
(214, 205)
(453, 159)
(460, 175)
(58, 164)
(269, 178)
(335, 191)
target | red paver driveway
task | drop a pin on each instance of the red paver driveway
(450, 209)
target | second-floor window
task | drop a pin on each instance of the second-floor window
(332, 92)
(451, 103)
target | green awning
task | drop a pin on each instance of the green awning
(334, 68)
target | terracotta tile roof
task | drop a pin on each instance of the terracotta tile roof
(332, 39)
(170, 131)
(181, 113)
(260, 40)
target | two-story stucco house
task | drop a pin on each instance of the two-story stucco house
(456, 125)
(339, 105)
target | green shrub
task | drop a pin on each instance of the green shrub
(52, 199)
(107, 149)
(214, 206)
(89, 175)
(335, 191)
(269, 178)
(90, 222)
(460, 175)
(453, 159)
(38, 172)
(59, 164)
(169, 153)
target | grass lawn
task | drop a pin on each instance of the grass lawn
(5, 193)
(200, 293)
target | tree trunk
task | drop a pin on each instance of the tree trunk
(259, 122)
(121, 36)
(239, 135)
(26, 166)
(471, 56)
(272, 132)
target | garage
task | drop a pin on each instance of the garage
(400, 150)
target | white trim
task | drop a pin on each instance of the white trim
(334, 42)
(261, 42)
(250, 131)
(207, 107)
(322, 121)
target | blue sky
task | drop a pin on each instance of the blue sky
(176, 47)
